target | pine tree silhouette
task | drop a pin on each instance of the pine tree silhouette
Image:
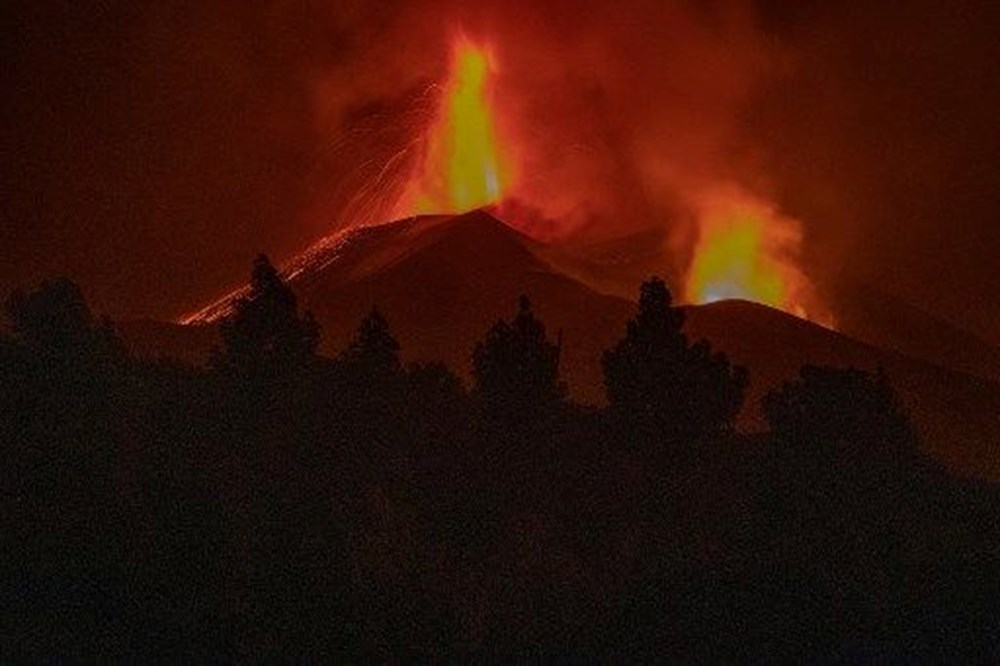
(661, 384)
(516, 368)
(374, 349)
(55, 322)
(848, 474)
(265, 331)
(845, 413)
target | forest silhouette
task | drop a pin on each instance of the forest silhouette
(282, 504)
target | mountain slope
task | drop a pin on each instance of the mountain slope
(443, 281)
(455, 280)
(957, 415)
(870, 314)
(862, 311)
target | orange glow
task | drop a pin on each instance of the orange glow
(747, 250)
(730, 264)
(462, 168)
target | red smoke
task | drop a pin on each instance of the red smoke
(163, 144)
(616, 120)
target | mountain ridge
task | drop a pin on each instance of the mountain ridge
(442, 281)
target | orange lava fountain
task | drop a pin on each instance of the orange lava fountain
(747, 250)
(461, 167)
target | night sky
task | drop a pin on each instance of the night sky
(152, 149)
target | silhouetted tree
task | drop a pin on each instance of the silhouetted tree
(663, 385)
(847, 482)
(374, 350)
(846, 413)
(516, 368)
(355, 509)
(65, 404)
(265, 331)
(55, 322)
(435, 379)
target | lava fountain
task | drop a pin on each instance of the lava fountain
(746, 249)
(461, 166)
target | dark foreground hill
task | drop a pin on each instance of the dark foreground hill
(957, 415)
(442, 281)
(283, 506)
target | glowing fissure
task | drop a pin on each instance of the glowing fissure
(461, 166)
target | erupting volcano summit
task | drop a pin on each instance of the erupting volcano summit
(744, 248)
(462, 166)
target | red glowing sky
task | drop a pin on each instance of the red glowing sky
(151, 151)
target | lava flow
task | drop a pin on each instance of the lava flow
(461, 167)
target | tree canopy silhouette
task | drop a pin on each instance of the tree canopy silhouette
(357, 509)
(849, 413)
(516, 367)
(374, 349)
(265, 330)
(662, 384)
(55, 322)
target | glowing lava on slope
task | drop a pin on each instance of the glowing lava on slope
(461, 167)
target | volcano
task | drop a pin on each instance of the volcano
(442, 281)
